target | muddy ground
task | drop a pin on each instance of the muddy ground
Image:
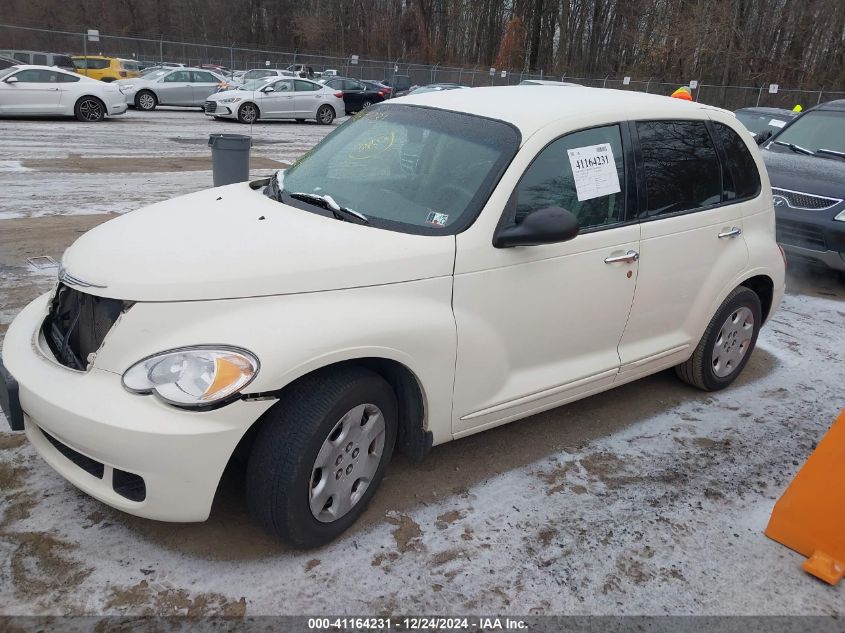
(648, 499)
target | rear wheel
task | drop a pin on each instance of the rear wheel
(146, 100)
(320, 454)
(727, 343)
(325, 115)
(367, 103)
(89, 110)
(248, 113)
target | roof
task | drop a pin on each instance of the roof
(838, 104)
(530, 108)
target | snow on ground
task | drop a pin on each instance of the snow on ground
(648, 499)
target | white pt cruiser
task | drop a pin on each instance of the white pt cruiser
(439, 265)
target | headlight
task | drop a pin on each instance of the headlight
(840, 216)
(193, 376)
(229, 100)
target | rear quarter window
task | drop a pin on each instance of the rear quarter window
(742, 180)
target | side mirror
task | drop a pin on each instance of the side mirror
(762, 137)
(268, 89)
(12, 80)
(544, 226)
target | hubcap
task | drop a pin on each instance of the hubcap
(146, 101)
(90, 110)
(733, 342)
(347, 462)
(248, 113)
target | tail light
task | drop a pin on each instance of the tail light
(339, 95)
(383, 93)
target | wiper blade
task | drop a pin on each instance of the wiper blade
(830, 152)
(327, 202)
(795, 148)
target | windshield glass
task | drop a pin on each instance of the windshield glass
(814, 131)
(409, 169)
(255, 84)
(757, 123)
(156, 74)
(8, 71)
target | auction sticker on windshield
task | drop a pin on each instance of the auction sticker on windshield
(594, 171)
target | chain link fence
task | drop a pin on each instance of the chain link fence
(243, 58)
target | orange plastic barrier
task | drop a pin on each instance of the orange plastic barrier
(810, 516)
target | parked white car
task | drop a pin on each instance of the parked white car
(170, 86)
(280, 99)
(28, 90)
(439, 265)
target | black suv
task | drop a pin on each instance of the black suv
(806, 165)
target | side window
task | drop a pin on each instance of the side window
(203, 78)
(742, 179)
(39, 59)
(22, 57)
(353, 85)
(36, 76)
(682, 170)
(282, 86)
(337, 84)
(179, 76)
(66, 78)
(596, 197)
(305, 86)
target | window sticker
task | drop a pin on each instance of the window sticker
(437, 219)
(776, 123)
(594, 171)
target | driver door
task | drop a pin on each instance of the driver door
(540, 325)
(279, 103)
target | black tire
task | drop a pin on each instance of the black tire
(300, 120)
(89, 110)
(248, 113)
(349, 113)
(325, 115)
(146, 100)
(699, 370)
(280, 468)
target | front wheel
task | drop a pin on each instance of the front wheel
(320, 454)
(248, 113)
(146, 100)
(366, 104)
(727, 342)
(89, 110)
(325, 115)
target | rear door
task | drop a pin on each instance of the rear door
(35, 92)
(307, 98)
(691, 242)
(203, 84)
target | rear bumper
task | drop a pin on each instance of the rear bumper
(178, 455)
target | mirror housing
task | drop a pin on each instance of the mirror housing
(266, 89)
(543, 226)
(11, 80)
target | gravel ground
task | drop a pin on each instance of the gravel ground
(650, 499)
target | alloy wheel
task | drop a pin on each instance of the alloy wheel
(91, 110)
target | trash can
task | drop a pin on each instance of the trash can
(229, 158)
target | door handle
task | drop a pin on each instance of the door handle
(630, 257)
(734, 231)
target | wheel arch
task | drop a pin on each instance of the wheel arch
(764, 287)
(414, 439)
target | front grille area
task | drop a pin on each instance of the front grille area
(802, 235)
(210, 106)
(77, 323)
(805, 201)
(90, 466)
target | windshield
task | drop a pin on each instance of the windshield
(822, 129)
(156, 74)
(8, 71)
(407, 168)
(757, 123)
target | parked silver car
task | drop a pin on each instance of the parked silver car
(272, 98)
(171, 86)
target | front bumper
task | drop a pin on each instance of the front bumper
(215, 108)
(813, 235)
(118, 108)
(178, 455)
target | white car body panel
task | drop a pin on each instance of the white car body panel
(55, 99)
(490, 335)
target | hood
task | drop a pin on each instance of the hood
(233, 242)
(808, 174)
(226, 94)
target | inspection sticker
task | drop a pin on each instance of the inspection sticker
(594, 171)
(437, 219)
(776, 123)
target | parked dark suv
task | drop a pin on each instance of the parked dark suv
(806, 164)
